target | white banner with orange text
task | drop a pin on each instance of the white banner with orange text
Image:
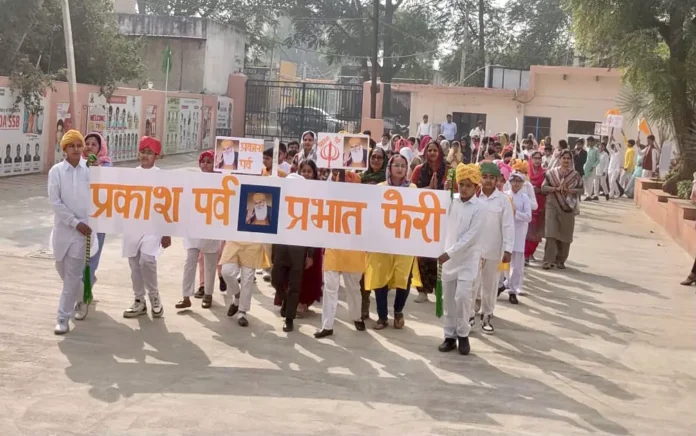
(243, 208)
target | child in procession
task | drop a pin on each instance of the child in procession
(68, 192)
(460, 261)
(142, 250)
(497, 238)
(350, 265)
(208, 248)
(523, 216)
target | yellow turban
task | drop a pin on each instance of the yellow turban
(70, 137)
(469, 172)
(520, 165)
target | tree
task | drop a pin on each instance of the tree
(36, 46)
(654, 42)
(343, 30)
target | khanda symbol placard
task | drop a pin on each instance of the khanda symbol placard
(330, 152)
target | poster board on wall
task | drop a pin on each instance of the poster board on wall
(118, 121)
(225, 108)
(21, 136)
(183, 125)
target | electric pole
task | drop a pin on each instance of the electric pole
(70, 57)
(462, 67)
(375, 53)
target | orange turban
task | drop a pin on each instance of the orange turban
(520, 165)
(70, 137)
(152, 143)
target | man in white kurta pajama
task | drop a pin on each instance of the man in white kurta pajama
(460, 261)
(523, 216)
(496, 242)
(68, 192)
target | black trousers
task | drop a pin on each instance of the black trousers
(286, 275)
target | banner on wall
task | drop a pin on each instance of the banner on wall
(223, 125)
(118, 121)
(207, 143)
(308, 213)
(21, 137)
(239, 155)
(151, 121)
(183, 125)
(63, 124)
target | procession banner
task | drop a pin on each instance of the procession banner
(21, 136)
(118, 121)
(243, 208)
(239, 155)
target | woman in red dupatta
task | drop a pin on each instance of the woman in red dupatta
(562, 185)
(536, 230)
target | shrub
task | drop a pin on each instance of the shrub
(684, 189)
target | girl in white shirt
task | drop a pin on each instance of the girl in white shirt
(523, 216)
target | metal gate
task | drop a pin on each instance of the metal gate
(284, 110)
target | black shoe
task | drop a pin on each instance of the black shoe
(513, 299)
(472, 321)
(288, 326)
(464, 346)
(200, 292)
(359, 326)
(323, 333)
(232, 311)
(486, 326)
(607, 197)
(501, 289)
(282, 310)
(243, 321)
(223, 284)
(447, 346)
(595, 198)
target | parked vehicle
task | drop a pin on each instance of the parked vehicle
(294, 120)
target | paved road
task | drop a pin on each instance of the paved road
(607, 347)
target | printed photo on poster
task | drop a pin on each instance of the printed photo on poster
(226, 154)
(151, 121)
(260, 213)
(183, 123)
(223, 125)
(21, 134)
(118, 121)
(355, 150)
(63, 124)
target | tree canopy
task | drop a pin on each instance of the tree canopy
(654, 41)
(33, 45)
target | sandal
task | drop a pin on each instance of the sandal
(399, 320)
(689, 280)
(381, 324)
(561, 265)
(207, 301)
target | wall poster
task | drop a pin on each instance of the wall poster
(21, 137)
(183, 125)
(118, 120)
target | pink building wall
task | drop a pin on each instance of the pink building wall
(149, 97)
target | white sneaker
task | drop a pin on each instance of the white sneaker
(137, 308)
(62, 327)
(156, 306)
(421, 298)
(81, 310)
(266, 277)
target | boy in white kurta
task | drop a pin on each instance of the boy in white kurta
(523, 216)
(142, 250)
(460, 261)
(68, 192)
(496, 241)
(208, 248)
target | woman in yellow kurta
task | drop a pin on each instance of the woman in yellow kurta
(351, 265)
(392, 271)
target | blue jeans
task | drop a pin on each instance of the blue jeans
(381, 299)
(94, 261)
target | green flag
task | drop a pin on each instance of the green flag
(167, 60)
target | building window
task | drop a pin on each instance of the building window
(580, 130)
(466, 121)
(540, 127)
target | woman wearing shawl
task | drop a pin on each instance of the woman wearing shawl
(308, 151)
(536, 230)
(96, 144)
(455, 157)
(391, 271)
(562, 185)
(424, 141)
(431, 174)
(377, 168)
